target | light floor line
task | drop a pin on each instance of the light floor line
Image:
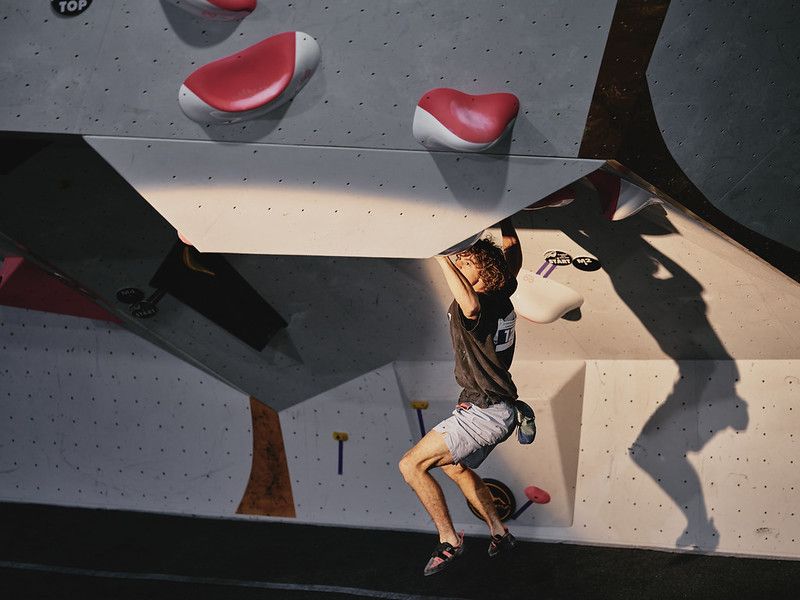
(244, 583)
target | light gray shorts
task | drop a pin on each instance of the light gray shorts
(472, 433)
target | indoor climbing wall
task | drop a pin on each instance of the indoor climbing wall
(665, 394)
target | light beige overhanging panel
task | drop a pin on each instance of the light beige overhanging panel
(330, 201)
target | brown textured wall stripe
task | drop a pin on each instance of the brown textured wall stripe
(621, 94)
(269, 490)
(622, 126)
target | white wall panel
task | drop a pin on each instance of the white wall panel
(617, 501)
(750, 477)
(369, 490)
(266, 199)
(92, 415)
(555, 390)
(717, 474)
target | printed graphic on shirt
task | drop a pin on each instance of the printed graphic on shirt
(504, 337)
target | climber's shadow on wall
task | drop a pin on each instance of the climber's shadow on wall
(668, 301)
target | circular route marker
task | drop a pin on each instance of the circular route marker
(144, 309)
(586, 263)
(558, 258)
(69, 8)
(130, 295)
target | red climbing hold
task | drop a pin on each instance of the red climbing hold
(537, 495)
(449, 119)
(619, 198)
(251, 82)
(233, 4)
(217, 10)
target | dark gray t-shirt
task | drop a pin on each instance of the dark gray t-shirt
(484, 349)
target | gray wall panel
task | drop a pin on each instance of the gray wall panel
(725, 89)
(46, 64)
(378, 58)
(766, 198)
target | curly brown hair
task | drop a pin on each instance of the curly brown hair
(491, 264)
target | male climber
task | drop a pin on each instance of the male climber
(482, 318)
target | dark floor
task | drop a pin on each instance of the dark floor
(54, 552)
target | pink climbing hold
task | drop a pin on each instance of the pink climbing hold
(234, 4)
(619, 198)
(217, 10)
(251, 82)
(537, 495)
(449, 119)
